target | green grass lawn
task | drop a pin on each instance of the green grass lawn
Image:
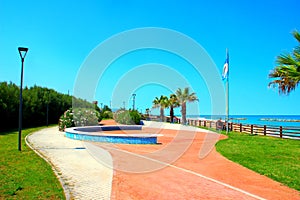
(24, 175)
(276, 158)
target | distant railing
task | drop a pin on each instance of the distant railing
(275, 131)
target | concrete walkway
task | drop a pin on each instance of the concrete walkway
(83, 176)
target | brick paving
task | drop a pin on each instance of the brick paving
(80, 166)
(83, 176)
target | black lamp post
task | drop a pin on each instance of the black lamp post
(23, 52)
(48, 101)
(133, 101)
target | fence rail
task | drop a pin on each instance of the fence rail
(275, 131)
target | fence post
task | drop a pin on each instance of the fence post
(265, 130)
(231, 126)
(241, 129)
(204, 123)
(280, 131)
(251, 129)
(209, 124)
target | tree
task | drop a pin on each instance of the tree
(286, 75)
(173, 103)
(183, 97)
(147, 112)
(39, 105)
(162, 103)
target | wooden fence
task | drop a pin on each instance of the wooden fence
(276, 131)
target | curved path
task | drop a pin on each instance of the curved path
(154, 171)
(82, 175)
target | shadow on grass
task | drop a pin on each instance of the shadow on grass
(8, 131)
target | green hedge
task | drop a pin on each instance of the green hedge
(35, 102)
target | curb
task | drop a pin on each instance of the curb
(56, 171)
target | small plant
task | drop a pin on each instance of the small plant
(135, 116)
(66, 120)
(127, 117)
(106, 114)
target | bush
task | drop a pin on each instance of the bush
(127, 117)
(135, 116)
(85, 117)
(78, 117)
(66, 120)
(106, 115)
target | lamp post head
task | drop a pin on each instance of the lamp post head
(23, 52)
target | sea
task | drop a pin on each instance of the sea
(268, 120)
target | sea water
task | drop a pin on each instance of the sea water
(268, 120)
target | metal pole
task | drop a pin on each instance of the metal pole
(227, 106)
(48, 109)
(47, 113)
(133, 103)
(21, 109)
(227, 94)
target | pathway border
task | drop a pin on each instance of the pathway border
(81, 175)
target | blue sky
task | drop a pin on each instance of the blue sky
(62, 34)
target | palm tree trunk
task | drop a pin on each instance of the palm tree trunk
(162, 117)
(171, 114)
(183, 113)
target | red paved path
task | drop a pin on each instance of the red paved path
(184, 178)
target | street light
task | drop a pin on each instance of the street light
(23, 52)
(133, 101)
(48, 101)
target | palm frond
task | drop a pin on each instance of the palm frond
(296, 35)
(286, 76)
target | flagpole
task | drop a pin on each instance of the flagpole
(227, 94)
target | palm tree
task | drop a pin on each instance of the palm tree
(286, 76)
(184, 96)
(148, 112)
(162, 103)
(173, 103)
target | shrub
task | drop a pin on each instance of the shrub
(78, 117)
(135, 116)
(106, 115)
(66, 120)
(85, 117)
(127, 117)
